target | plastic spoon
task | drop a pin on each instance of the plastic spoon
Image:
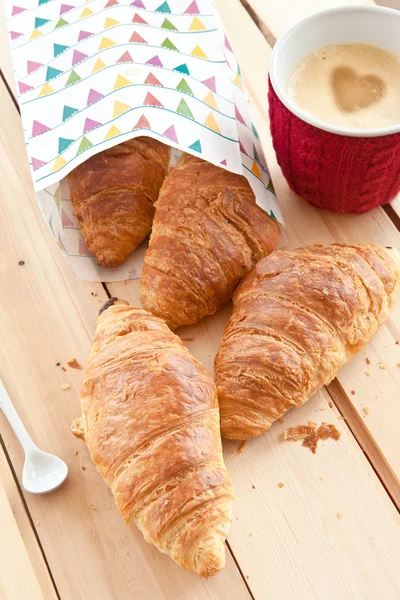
(43, 472)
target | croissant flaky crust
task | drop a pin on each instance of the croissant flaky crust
(113, 193)
(150, 419)
(298, 317)
(207, 233)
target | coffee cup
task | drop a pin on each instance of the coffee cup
(334, 167)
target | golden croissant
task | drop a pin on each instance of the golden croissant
(113, 193)
(298, 317)
(150, 419)
(207, 233)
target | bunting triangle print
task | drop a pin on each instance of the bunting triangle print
(59, 49)
(151, 80)
(106, 43)
(254, 130)
(83, 35)
(39, 22)
(60, 23)
(68, 111)
(239, 116)
(111, 3)
(138, 4)
(255, 153)
(256, 170)
(36, 33)
(196, 146)
(138, 19)
(90, 124)
(121, 82)
(16, 10)
(170, 133)
(39, 128)
(182, 69)
(85, 13)
(66, 221)
(98, 65)
(163, 8)
(142, 124)
(223, 162)
(183, 109)
(15, 35)
(120, 108)
(110, 23)
(183, 86)
(270, 187)
(65, 8)
(192, 9)
(199, 53)
(46, 89)
(112, 132)
(93, 96)
(237, 81)
(241, 148)
(58, 164)
(166, 24)
(51, 73)
(196, 25)
(210, 100)
(57, 198)
(227, 44)
(155, 61)
(126, 57)
(85, 143)
(73, 78)
(137, 39)
(169, 45)
(210, 83)
(24, 87)
(78, 57)
(63, 144)
(36, 163)
(211, 123)
(151, 100)
(33, 66)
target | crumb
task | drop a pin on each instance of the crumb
(74, 364)
(58, 364)
(109, 507)
(190, 339)
(93, 507)
(398, 365)
(281, 484)
(125, 282)
(65, 386)
(382, 366)
(353, 392)
(253, 486)
(83, 468)
(37, 522)
(281, 420)
(321, 478)
(76, 452)
(367, 361)
(247, 576)
(365, 410)
(311, 434)
(64, 369)
(322, 409)
(127, 553)
(21, 263)
(330, 404)
(94, 293)
(367, 374)
(250, 534)
(242, 446)
(397, 343)
(339, 514)
(7, 445)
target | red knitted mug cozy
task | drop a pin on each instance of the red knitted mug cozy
(335, 172)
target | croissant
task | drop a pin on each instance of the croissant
(298, 317)
(112, 196)
(150, 419)
(207, 233)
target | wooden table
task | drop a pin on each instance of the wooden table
(332, 531)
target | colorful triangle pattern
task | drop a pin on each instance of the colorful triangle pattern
(63, 144)
(197, 51)
(73, 78)
(170, 133)
(168, 44)
(142, 123)
(137, 39)
(51, 73)
(196, 25)
(24, 87)
(151, 80)
(183, 86)
(183, 109)
(151, 100)
(85, 143)
(138, 19)
(93, 96)
(210, 100)
(59, 49)
(36, 163)
(78, 57)
(126, 57)
(98, 65)
(192, 9)
(211, 123)
(68, 111)
(112, 132)
(163, 8)
(166, 24)
(196, 146)
(256, 170)
(90, 124)
(120, 108)
(39, 128)
(182, 69)
(121, 82)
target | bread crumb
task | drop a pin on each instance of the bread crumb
(353, 392)
(58, 364)
(65, 386)
(250, 534)
(76, 452)
(21, 263)
(242, 446)
(93, 507)
(397, 342)
(367, 361)
(281, 420)
(382, 366)
(321, 409)
(321, 478)
(365, 410)
(281, 484)
(398, 364)
(330, 404)
(8, 445)
(125, 282)
(127, 553)
(109, 507)
(94, 293)
(339, 514)
(37, 522)
(247, 576)
(366, 373)
(74, 364)
(311, 434)
(83, 468)
(253, 486)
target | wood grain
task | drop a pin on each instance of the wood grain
(46, 317)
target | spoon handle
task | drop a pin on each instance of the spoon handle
(14, 419)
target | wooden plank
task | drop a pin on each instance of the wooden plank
(47, 316)
(16, 571)
(27, 555)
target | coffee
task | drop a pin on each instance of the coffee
(356, 86)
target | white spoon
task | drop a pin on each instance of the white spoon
(43, 472)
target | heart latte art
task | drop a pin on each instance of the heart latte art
(356, 86)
